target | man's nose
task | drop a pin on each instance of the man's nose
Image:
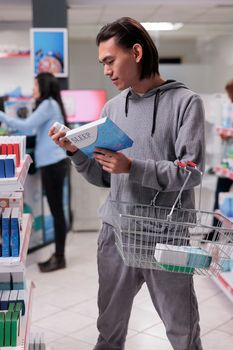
(107, 70)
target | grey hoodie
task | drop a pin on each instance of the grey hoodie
(166, 124)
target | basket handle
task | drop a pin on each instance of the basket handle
(184, 166)
(194, 165)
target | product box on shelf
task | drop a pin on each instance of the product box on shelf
(8, 145)
(6, 214)
(226, 203)
(12, 200)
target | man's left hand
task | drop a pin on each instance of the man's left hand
(112, 162)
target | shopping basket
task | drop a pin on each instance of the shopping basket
(172, 239)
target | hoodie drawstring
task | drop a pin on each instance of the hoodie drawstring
(156, 102)
(127, 103)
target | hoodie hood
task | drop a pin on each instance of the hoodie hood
(157, 92)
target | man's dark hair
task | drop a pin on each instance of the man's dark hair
(127, 32)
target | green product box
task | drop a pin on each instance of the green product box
(14, 328)
(11, 307)
(2, 328)
(8, 316)
(177, 268)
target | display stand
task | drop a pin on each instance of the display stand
(17, 264)
(225, 279)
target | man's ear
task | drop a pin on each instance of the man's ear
(137, 51)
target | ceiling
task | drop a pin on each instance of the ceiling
(202, 19)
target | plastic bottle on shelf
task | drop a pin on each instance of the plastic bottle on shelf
(226, 119)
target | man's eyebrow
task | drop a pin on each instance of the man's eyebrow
(105, 59)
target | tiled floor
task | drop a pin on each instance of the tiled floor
(65, 311)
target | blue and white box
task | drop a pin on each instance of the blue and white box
(182, 256)
(103, 133)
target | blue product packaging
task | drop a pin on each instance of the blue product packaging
(15, 237)
(2, 166)
(6, 214)
(10, 161)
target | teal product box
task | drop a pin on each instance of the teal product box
(10, 161)
(15, 237)
(18, 279)
(6, 232)
(198, 258)
(185, 256)
(5, 281)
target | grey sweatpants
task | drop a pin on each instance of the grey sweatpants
(172, 294)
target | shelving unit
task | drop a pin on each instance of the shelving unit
(7, 263)
(17, 264)
(16, 183)
(26, 321)
(225, 279)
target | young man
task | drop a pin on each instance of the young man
(166, 122)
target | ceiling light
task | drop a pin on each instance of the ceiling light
(161, 26)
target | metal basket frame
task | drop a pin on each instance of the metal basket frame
(171, 239)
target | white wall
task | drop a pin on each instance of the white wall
(15, 71)
(206, 68)
(203, 77)
(217, 51)
(183, 48)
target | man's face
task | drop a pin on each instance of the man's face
(119, 64)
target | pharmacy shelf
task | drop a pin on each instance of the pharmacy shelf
(16, 183)
(225, 132)
(23, 342)
(227, 221)
(225, 279)
(220, 171)
(18, 263)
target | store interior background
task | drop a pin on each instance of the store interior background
(205, 46)
(204, 43)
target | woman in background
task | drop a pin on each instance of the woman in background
(49, 157)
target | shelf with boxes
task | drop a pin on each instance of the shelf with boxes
(16, 183)
(22, 329)
(225, 213)
(15, 291)
(19, 261)
(225, 169)
(225, 279)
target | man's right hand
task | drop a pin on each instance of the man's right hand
(60, 139)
